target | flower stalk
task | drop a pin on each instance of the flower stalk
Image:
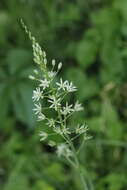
(54, 94)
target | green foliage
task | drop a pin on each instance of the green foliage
(90, 38)
(16, 89)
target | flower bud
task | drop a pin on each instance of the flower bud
(45, 61)
(44, 54)
(53, 62)
(31, 77)
(59, 66)
(36, 71)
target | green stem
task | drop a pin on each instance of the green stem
(78, 166)
(75, 164)
(81, 146)
(85, 187)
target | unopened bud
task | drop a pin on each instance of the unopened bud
(53, 62)
(59, 66)
(45, 61)
(44, 54)
(36, 71)
(51, 143)
(31, 77)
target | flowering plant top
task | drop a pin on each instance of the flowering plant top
(54, 93)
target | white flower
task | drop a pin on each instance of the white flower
(51, 123)
(81, 129)
(43, 135)
(44, 83)
(58, 130)
(37, 94)
(61, 85)
(37, 108)
(66, 131)
(70, 87)
(51, 74)
(51, 143)
(66, 86)
(67, 109)
(63, 150)
(78, 106)
(86, 137)
(41, 117)
(55, 103)
(68, 152)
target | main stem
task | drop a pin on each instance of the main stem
(77, 163)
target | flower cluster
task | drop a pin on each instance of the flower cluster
(52, 93)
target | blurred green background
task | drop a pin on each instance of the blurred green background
(89, 37)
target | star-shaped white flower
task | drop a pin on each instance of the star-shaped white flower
(67, 109)
(41, 117)
(51, 74)
(43, 135)
(37, 94)
(55, 102)
(37, 108)
(61, 85)
(81, 129)
(63, 150)
(70, 87)
(44, 83)
(78, 106)
(51, 123)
